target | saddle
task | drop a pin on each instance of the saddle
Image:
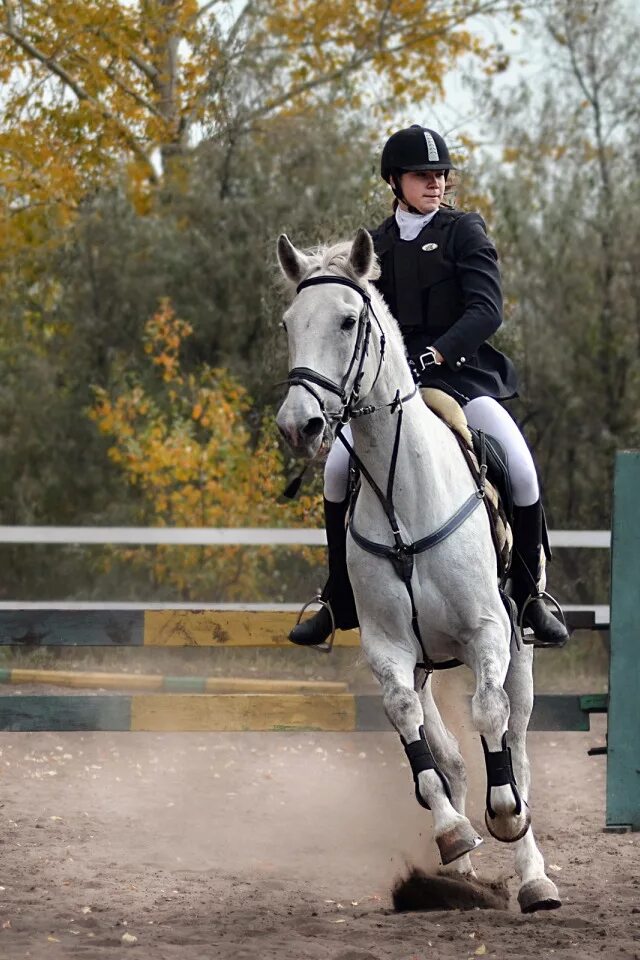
(481, 450)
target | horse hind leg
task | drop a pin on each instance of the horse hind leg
(507, 815)
(449, 759)
(454, 834)
(537, 891)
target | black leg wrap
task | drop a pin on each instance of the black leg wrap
(500, 773)
(420, 757)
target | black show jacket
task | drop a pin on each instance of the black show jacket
(444, 290)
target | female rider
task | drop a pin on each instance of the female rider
(440, 280)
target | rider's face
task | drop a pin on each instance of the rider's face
(423, 189)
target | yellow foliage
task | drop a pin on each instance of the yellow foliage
(511, 154)
(189, 451)
(100, 87)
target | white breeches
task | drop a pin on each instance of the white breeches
(336, 469)
(483, 413)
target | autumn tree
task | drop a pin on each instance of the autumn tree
(73, 308)
(98, 86)
(85, 310)
(189, 451)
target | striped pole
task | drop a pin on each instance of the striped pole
(164, 712)
(136, 681)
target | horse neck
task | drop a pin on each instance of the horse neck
(424, 439)
(395, 374)
(374, 433)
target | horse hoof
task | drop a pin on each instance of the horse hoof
(539, 894)
(457, 841)
(508, 829)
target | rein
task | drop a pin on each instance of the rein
(401, 554)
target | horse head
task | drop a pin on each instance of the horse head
(328, 328)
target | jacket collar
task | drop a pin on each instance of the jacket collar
(388, 233)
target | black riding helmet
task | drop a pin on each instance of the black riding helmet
(412, 149)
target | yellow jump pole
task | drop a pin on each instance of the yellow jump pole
(133, 681)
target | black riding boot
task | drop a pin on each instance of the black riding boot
(337, 592)
(526, 572)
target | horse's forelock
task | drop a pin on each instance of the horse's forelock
(332, 259)
(336, 259)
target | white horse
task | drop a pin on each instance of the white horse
(348, 362)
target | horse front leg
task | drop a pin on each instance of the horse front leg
(447, 754)
(507, 814)
(394, 669)
(537, 891)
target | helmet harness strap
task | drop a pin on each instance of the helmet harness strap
(396, 187)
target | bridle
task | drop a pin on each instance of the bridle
(349, 397)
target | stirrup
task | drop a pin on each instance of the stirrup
(327, 646)
(542, 595)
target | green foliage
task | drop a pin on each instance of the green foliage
(75, 320)
(182, 441)
(566, 218)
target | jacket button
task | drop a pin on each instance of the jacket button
(463, 359)
(458, 364)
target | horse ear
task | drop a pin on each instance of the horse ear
(361, 256)
(292, 263)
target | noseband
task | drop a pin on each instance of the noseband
(304, 376)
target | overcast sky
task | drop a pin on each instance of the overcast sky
(460, 112)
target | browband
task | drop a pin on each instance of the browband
(314, 281)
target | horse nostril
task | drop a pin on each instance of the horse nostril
(313, 427)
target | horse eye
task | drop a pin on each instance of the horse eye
(284, 326)
(348, 323)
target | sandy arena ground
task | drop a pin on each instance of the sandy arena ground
(283, 846)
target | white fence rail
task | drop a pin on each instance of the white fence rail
(230, 536)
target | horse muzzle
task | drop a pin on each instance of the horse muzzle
(303, 427)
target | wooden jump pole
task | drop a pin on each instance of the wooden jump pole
(226, 712)
(154, 628)
(152, 681)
